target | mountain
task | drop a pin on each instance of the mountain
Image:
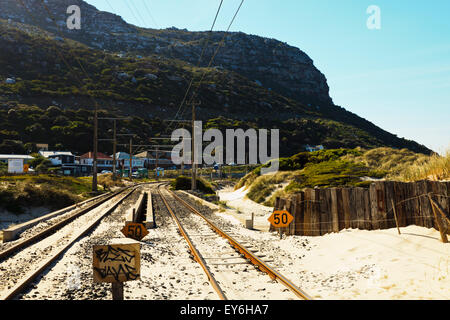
(253, 81)
(272, 63)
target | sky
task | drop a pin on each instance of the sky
(397, 76)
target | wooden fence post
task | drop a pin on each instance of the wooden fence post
(315, 212)
(346, 208)
(334, 210)
(307, 216)
(374, 206)
(441, 228)
(117, 290)
(395, 216)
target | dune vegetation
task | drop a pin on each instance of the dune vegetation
(18, 192)
(343, 168)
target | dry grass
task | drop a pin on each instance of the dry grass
(263, 187)
(55, 192)
(405, 165)
(392, 161)
(435, 168)
(107, 182)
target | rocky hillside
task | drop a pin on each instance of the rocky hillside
(269, 62)
(255, 82)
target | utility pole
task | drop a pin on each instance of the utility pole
(131, 148)
(131, 157)
(194, 165)
(114, 141)
(114, 149)
(156, 163)
(94, 164)
(182, 160)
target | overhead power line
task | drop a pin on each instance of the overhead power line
(198, 64)
(150, 14)
(215, 53)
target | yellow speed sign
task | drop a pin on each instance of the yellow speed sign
(281, 219)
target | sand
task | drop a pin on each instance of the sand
(8, 219)
(242, 207)
(355, 264)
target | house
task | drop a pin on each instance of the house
(65, 160)
(104, 162)
(123, 159)
(150, 161)
(16, 163)
(314, 148)
(42, 146)
(59, 157)
(4, 158)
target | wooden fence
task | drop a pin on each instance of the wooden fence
(320, 211)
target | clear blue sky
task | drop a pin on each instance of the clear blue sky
(398, 77)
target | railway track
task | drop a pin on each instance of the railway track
(226, 263)
(214, 249)
(51, 226)
(34, 255)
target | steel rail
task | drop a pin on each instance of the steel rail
(197, 256)
(275, 275)
(16, 289)
(24, 243)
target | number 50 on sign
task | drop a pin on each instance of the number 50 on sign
(281, 219)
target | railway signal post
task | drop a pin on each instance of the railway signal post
(116, 264)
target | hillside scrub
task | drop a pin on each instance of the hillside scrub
(123, 86)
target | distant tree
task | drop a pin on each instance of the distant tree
(38, 161)
(12, 147)
(30, 147)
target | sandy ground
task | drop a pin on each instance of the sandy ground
(354, 264)
(242, 207)
(7, 218)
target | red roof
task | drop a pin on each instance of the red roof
(101, 156)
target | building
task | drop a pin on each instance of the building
(104, 162)
(42, 146)
(314, 148)
(59, 157)
(123, 159)
(16, 163)
(151, 161)
(65, 160)
(4, 158)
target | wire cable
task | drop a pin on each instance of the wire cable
(150, 14)
(198, 64)
(214, 55)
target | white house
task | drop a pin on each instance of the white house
(59, 157)
(5, 157)
(314, 148)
